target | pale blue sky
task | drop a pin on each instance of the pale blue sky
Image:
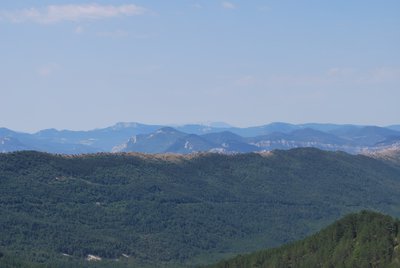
(86, 64)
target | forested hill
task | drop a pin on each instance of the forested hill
(171, 210)
(366, 239)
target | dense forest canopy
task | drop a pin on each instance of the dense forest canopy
(366, 239)
(170, 210)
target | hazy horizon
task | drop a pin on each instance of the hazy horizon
(80, 65)
(208, 123)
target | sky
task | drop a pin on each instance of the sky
(89, 64)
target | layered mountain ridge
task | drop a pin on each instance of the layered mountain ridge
(136, 137)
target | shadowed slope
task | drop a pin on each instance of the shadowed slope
(366, 239)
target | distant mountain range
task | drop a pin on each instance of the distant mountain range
(218, 137)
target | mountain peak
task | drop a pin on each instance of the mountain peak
(122, 125)
(167, 130)
(217, 124)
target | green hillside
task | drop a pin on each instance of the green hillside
(366, 239)
(161, 210)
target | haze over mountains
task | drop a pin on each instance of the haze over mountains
(136, 137)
